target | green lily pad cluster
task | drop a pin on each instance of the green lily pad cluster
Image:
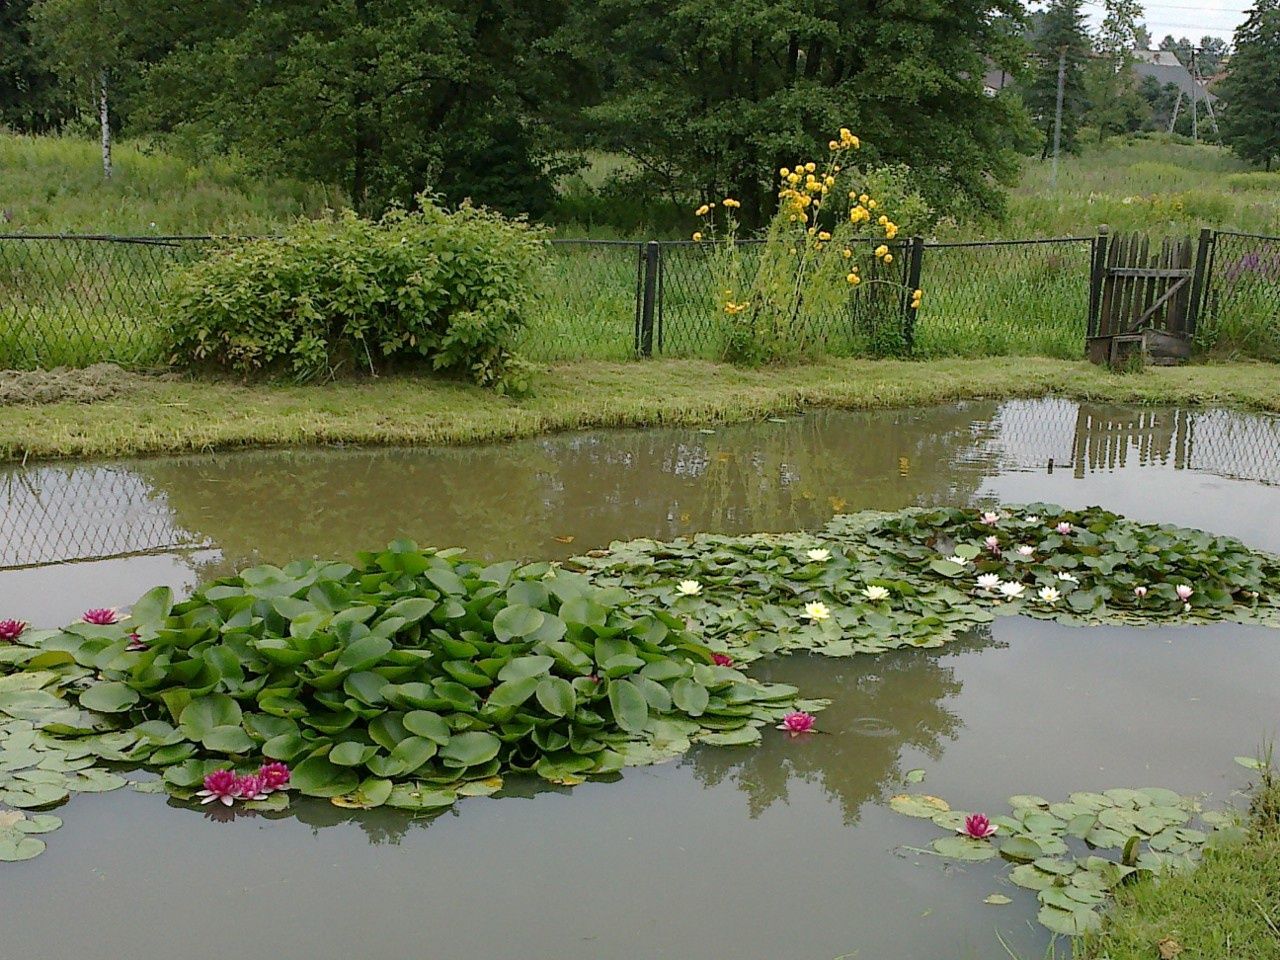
(1055, 849)
(410, 678)
(870, 582)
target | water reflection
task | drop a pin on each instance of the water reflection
(880, 708)
(554, 496)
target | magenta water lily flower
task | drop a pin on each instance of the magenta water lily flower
(274, 776)
(221, 785)
(722, 660)
(797, 722)
(977, 825)
(102, 616)
(11, 630)
(250, 787)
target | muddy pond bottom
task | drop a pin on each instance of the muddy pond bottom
(786, 850)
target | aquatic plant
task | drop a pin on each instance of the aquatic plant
(1148, 829)
(11, 630)
(414, 677)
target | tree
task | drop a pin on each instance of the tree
(81, 41)
(1251, 89)
(30, 97)
(1120, 33)
(1059, 35)
(709, 98)
(383, 97)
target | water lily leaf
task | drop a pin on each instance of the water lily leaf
(918, 805)
(512, 693)
(470, 749)
(964, 848)
(1026, 875)
(413, 796)
(202, 714)
(630, 708)
(319, 777)
(152, 607)
(997, 899)
(425, 723)
(516, 620)
(523, 667)
(690, 696)
(227, 739)
(914, 776)
(40, 823)
(1250, 763)
(14, 848)
(350, 754)
(557, 696)
(108, 697)
(1021, 848)
(1071, 923)
(742, 736)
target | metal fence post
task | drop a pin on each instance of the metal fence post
(649, 297)
(915, 261)
(1199, 280)
(1097, 271)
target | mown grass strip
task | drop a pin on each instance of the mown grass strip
(174, 416)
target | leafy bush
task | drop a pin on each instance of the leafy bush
(448, 288)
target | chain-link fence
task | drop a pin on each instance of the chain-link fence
(75, 300)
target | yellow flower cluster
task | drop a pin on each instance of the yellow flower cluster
(915, 299)
(883, 254)
(847, 141)
(697, 236)
(731, 203)
(733, 309)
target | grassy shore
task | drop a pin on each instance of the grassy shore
(171, 416)
(1228, 908)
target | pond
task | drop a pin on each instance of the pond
(787, 849)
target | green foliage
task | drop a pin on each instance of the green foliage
(451, 289)
(710, 97)
(30, 99)
(1251, 89)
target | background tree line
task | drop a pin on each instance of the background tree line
(498, 99)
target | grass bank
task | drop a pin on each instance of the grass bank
(1228, 908)
(173, 416)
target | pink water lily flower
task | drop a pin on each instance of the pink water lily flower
(274, 776)
(989, 518)
(722, 660)
(1183, 591)
(221, 785)
(250, 787)
(797, 722)
(1139, 592)
(11, 630)
(102, 616)
(1063, 528)
(977, 825)
(136, 643)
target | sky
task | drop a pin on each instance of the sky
(1184, 18)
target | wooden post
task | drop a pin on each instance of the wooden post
(1198, 280)
(915, 263)
(1097, 271)
(649, 297)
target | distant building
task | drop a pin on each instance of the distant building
(1165, 68)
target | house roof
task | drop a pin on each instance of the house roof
(1165, 68)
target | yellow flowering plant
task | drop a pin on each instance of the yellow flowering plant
(827, 267)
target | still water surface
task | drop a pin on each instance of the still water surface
(782, 851)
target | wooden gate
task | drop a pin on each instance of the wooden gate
(1142, 299)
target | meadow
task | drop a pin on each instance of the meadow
(75, 302)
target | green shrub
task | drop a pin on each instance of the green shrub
(449, 289)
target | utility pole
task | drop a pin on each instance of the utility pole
(1195, 84)
(1057, 114)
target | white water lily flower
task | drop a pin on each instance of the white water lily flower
(818, 556)
(875, 592)
(817, 611)
(689, 588)
(1049, 595)
(1069, 578)
(1011, 589)
(1026, 550)
(1033, 519)
(989, 518)
(988, 581)
(956, 558)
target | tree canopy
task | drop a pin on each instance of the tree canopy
(1251, 89)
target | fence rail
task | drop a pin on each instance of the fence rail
(76, 299)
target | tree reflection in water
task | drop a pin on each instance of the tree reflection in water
(880, 706)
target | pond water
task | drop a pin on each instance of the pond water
(783, 850)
